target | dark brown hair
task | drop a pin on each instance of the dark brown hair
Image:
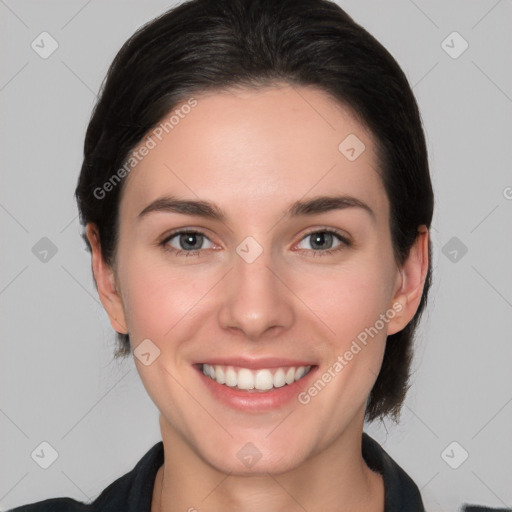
(203, 45)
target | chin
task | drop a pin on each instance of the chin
(257, 457)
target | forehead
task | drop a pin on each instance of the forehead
(258, 148)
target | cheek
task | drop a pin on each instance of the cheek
(158, 297)
(349, 298)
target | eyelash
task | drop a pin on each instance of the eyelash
(345, 243)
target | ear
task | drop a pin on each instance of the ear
(409, 283)
(104, 278)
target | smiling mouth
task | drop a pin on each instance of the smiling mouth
(261, 380)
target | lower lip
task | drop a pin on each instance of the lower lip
(255, 401)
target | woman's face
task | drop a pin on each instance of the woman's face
(269, 286)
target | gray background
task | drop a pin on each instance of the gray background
(58, 381)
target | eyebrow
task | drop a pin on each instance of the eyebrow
(208, 210)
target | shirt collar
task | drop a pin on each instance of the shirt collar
(133, 492)
(401, 493)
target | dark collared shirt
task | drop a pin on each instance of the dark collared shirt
(133, 491)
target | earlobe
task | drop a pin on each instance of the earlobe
(105, 282)
(410, 282)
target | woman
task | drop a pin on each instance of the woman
(256, 197)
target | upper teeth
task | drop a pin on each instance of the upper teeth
(263, 379)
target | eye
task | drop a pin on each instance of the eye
(325, 241)
(186, 243)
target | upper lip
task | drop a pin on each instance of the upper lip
(256, 363)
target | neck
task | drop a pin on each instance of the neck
(336, 478)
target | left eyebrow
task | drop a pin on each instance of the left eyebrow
(206, 209)
(321, 204)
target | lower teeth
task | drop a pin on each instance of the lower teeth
(254, 389)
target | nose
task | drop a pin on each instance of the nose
(256, 301)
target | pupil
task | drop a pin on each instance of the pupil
(321, 238)
(189, 238)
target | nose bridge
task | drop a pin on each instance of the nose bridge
(254, 299)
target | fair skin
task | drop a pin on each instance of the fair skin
(253, 154)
